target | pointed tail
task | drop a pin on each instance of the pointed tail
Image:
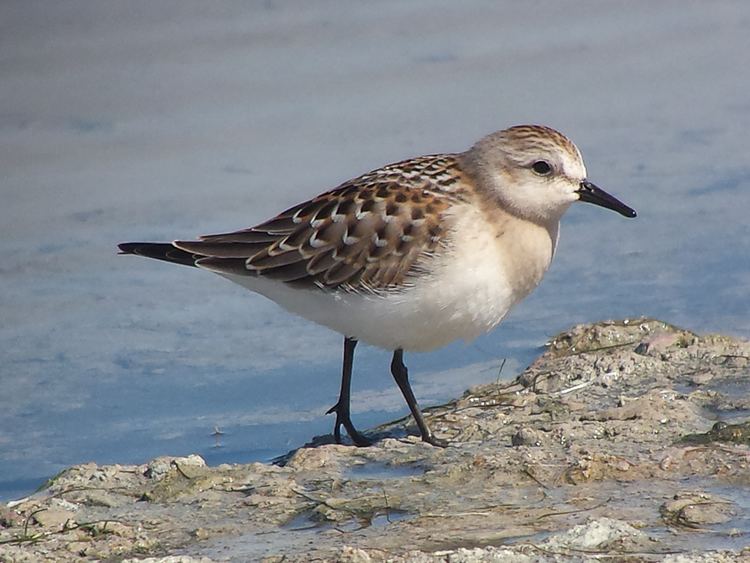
(160, 251)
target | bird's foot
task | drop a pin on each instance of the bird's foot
(430, 439)
(344, 419)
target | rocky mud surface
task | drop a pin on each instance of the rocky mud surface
(624, 441)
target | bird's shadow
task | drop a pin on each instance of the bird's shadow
(396, 430)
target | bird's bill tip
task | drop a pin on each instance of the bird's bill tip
(591, 193)
(126, 247)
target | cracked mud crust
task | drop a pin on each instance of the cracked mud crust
(626, 440)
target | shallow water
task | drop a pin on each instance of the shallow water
(159, 122)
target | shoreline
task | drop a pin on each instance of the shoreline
(624, 438)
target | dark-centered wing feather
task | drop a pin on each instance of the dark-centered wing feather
(368, 234)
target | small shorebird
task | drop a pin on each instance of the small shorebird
(413, 255)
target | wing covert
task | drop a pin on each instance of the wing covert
(367, 234)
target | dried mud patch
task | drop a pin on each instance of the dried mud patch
(625, 440)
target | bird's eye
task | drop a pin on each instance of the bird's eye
(541, 167)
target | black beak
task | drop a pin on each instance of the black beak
(591, 193)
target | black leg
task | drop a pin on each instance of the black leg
(341, 408)
(401, 375)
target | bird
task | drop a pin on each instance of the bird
(413, 255)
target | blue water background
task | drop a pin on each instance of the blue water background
(154, 121)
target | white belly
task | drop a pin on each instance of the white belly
(420, 319)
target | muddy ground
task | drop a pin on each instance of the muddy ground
(624, 441)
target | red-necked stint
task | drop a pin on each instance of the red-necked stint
(413, 255)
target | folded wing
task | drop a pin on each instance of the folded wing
(369, 234)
